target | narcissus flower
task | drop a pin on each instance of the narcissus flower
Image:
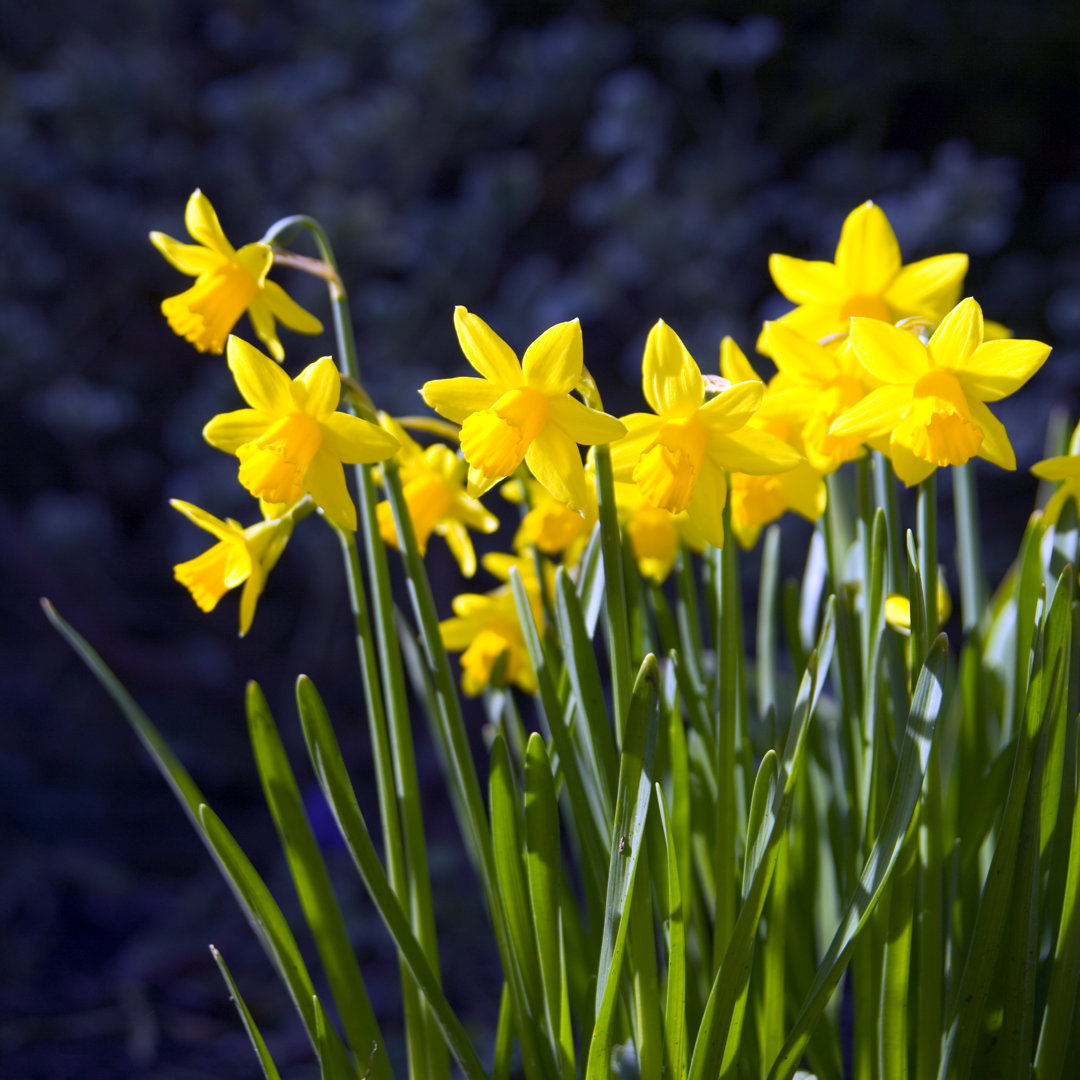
(867, 280)
(522, 412)
(1065, 468)
(292, 441)
(484, 628)
(677, 457)
(758, 500)
(227, 283)
(240, 557)
(433, 480)
(929, 408)
(549, 524)
(655, 535)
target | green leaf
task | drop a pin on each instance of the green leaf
(918, 739)
(265, 1060)
(675, 1033)
(313, 883)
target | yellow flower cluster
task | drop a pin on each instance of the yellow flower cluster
(874, 354)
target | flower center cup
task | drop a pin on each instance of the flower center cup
(937, 425)
(428, 500)
(206, 312)
(756, 500)
(205, 575)
(863, 306)
(552, 527)
(668, 470)
(495, 440)
(478, 660)
(273, 466)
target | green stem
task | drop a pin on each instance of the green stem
(969, 550)
(926, 523)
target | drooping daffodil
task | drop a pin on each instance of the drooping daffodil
(866, 279)
(292, 441)
(228, 282)
(522, 412)
(677, 455)
(240, 557)
(433, 481)
(929, 407)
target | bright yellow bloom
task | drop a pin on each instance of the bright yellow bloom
(898, 607)
(758, 500)
(930, 405)
(522, 412)
(867, 280)
(549, 524)
(484, 628)
(677, 457)
(655, 535)
(1066, 468)
(433, 480)
(227, 283)
(292, 441)
(240, 557)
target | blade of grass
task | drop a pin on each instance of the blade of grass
(265, 1060)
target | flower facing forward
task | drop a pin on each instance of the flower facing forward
(292, 441)
(929, 408)
(867, 280)
(677, 457)
(433, 480)
(522, 412)
(1065, 468)
(240, 557)
(227, 283)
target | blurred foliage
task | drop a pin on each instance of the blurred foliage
(612, 161)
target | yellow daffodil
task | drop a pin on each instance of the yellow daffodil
(522, 412)
(549, 524)
(292, 441)
(433, 480)
(655, 535)
(867, 279)
(929, 408)
(677, 457)
(485, 627)
(240, 557)
(1065, 468)
(227, 283)
(758, 500)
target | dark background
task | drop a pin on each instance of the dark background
(535, 162)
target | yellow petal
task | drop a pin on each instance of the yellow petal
(230, 430)
(877, 414)
(255, 259)
(958, 336)
(751, 451)
(459, 398)
(325, 483)
(732, 408)
(815, 320)
(868, 255)
(706, 509)
(188, 258)
(262, 319)
(552, 363)
(355, 441)
(799, 356)
(582, 424)
(641, 429)
(1064, 467)
(995, 445)
(288, 312)
(929, 286)
(461, 546)
(671, 379)
(803, 281)
(999, 368)
(888, 354)
(202, 222)
(733, 363)
(321, 385)
(262, 383)
(554, 459)
(249, 597)
(486, 351)
(213, 525)
(912, 470)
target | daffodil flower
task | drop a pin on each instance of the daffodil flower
(758, 500)
(1065, 468)
(677, 457)
(898, 606)
(655, 535)
(227, 283)
(484, 628)
(433, 480)
(929, 408)
(240, 557)
(866, 280)
(292, 441)
(522, 412)
(550, 525)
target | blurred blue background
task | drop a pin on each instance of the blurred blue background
(612, 161)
